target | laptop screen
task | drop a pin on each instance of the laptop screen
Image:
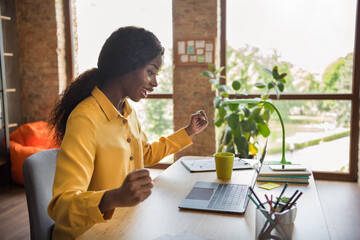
(258, 165)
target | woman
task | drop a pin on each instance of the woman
(103, 150)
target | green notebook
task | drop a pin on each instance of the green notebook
(289, 179)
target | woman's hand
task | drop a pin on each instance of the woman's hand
(135, 189)
(198, 122)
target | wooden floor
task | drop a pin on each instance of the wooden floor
(340, 202)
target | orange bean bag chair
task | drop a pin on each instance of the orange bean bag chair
(28, 139)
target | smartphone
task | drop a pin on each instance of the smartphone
(287, 167)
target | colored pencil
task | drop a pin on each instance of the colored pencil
(291, 198)
(280, 196)
(256, 197)
(291, 204)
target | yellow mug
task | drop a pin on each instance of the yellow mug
(224, 162)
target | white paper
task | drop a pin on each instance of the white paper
(181, 47)
(208, 57)
(200, 51)
(184, 58)
(190, 43)
(202, 164)
(209, 47)
(200, 44)
(193, 58)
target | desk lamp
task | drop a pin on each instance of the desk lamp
(256, 101)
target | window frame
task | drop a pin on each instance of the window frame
(353, 97)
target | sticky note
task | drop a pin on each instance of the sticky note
(269, 186)
(201, 59)
(190, 50)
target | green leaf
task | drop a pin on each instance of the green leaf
(219, 70)
(275, 72)
(236, 132)
(212, 68)
(266, 115)
(228, 135)
(281, 86)
(223, 103)
(222, 112)
(233, 106)
(259, 119)
(214, 81)
(217, 100)
(224, 94)
(271, 85)
(260, 85)
(255, 111)
(264, 129)
(248, 126)
(277, 92)
(246, 112)
(218, 122)
(242, 146)
(223, 135)
(282, 75)
(207, 74)
(269, 107)
(230, 148)
(282, 80)
(252, 105)
(223, 88)
(233, 120)
(236, 85)
(268, 71)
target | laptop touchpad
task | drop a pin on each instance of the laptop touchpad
(200, 193)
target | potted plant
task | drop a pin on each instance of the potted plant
(240, 125)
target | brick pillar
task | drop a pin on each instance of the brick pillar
(41, 53)
(194, 19)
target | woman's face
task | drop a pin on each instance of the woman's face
(142, 81)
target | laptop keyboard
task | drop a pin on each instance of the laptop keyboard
(228, 196)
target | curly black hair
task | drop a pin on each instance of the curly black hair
(127, 49)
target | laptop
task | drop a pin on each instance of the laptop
(221, 197)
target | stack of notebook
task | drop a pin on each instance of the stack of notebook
(283, 173)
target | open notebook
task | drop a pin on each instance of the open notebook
(205, 164)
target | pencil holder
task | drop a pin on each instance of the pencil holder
(274, 225)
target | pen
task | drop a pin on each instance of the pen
(256, 204)
(291, 204)
(269, 202)
(284, 207)
(282, 192)
(256, 197)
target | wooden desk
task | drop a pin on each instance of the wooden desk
(159, 214)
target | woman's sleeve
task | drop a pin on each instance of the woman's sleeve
(72, 204)
(157, 150)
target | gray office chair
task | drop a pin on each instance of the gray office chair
(38, 173)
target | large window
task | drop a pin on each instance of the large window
(314, 42)
(96, 20)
